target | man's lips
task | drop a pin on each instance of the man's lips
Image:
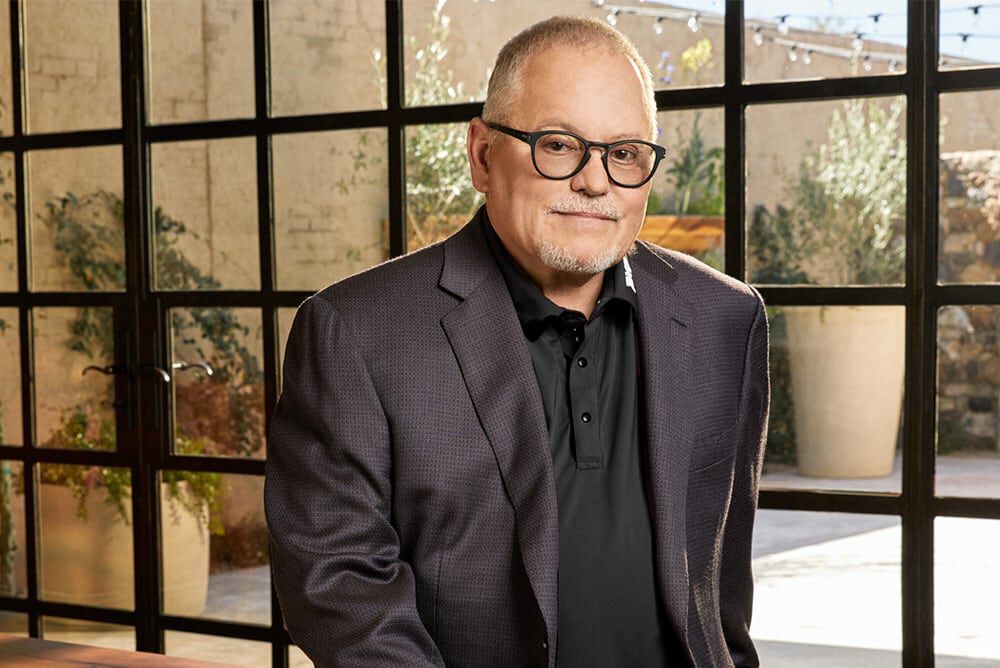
(583, 214)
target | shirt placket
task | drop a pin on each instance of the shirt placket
(581, 349)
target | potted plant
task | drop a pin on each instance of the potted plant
(844, 226)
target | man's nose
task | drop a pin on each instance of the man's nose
(592, 179)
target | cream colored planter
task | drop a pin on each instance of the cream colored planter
(846, 366)
(89, 561)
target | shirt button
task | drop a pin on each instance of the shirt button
(585, 417)
(545, 645)
(582, 362)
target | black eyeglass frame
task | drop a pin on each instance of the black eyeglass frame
(531, 138)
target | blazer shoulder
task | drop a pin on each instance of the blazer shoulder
(390, 285)
(703, 285)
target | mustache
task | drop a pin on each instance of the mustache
(596, 208)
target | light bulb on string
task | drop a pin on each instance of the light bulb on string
(658, 26)
(875, 17)
(893, 66)
(965, 39)
(807, 57)
(613, 18)
(693, 23)
(758, 35)
(793, 53)
(975, 14)
(783, 24)
(598, 3)
(858, 43)
(867, 64)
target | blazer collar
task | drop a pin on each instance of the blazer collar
(488, 342)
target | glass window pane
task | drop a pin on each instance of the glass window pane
(71, 63)
(215, 553)
(822, 39)
(439, 193)
(200, 60)
(326, 57)
(85, 541)
(297, 658)
(285, 318)
(11, 430)
(8, 222)
(686, 208)
(205, 200)
(218, 381)
(216, 648)
(73, 400)
(15, 623)
(84, 632)
(828, 362)
(6, 96)
(330, 205)
(13, 537)
(968, 34)
(968, 392)
(969, 213)
(448, 57)
(75, 215)
(966, 588)
(851, 563)
(826, 192)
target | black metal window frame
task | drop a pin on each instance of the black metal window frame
(143, 437)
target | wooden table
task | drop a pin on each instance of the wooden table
(34, 653)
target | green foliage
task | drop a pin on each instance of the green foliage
(438, 184)
(780, 447)
(76, 432)
(697, 174)
(845, 221)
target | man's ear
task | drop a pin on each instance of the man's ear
(478, 149)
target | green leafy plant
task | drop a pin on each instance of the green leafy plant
(696, 172)
(844, 223)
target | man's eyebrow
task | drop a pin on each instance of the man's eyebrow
(555, 124)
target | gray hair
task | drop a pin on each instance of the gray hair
(577, 31)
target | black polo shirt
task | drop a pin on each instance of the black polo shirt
(609, 610)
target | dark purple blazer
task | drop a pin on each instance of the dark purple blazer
(409, 488)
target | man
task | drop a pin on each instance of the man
(537, 442)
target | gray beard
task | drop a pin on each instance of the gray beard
(556, 257)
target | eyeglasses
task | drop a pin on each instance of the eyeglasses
(557, 154)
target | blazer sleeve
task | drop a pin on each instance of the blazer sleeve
(736, 576)
(347, 597)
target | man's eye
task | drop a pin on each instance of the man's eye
(556, 146)
(625, 155)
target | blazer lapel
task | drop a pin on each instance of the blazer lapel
(665, 366)
(486, 337)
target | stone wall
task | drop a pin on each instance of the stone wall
(969, 348)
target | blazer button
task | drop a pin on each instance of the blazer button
(582, 362)
(585, 417)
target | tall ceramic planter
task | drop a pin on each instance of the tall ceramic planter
(89, 561)
(846, 366)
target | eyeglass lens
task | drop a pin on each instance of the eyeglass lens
(558, 155)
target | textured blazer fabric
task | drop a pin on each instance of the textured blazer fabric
(409, 488)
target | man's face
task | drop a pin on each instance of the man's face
(586, 223)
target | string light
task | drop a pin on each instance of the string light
(807, 58)
(658, 26)
(613, 17)
(858, 43)
(783, 24)
(867, 63)
(758, 35)
(693, 23)
(793, 54)
(893, 66)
